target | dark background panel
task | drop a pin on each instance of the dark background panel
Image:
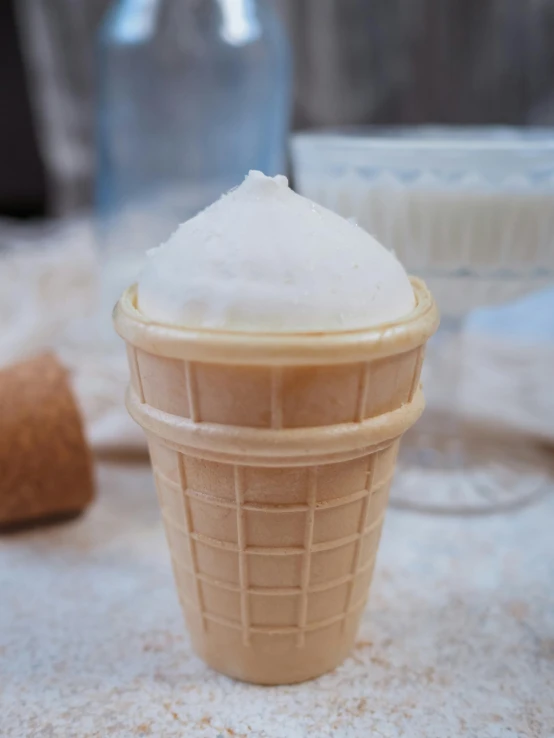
(22, 175)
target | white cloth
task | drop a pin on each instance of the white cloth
(49, 300)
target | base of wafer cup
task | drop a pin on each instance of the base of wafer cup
(273, 520)
(274, 664)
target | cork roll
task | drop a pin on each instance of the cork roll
(45, 463)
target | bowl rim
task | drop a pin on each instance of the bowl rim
(512, 139)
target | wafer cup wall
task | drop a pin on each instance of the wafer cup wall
(273, 457)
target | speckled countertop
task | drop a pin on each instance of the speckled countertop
(458, 638)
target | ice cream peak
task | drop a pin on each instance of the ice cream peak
(264, 259)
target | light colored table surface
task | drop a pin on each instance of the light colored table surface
(458, 638)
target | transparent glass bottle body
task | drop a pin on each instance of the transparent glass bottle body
(192, 95)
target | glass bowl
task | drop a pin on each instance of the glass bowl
(471, 210)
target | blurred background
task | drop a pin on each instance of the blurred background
(430, 123)
(122, 119)
(379, 62)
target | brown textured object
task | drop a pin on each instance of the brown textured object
(45, 463)
(273, 456)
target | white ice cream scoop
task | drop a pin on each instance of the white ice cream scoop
(264, 259)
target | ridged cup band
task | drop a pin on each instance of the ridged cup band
(269, 447)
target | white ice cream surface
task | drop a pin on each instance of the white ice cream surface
(263, 258)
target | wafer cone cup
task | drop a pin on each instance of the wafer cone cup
(273, 457)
